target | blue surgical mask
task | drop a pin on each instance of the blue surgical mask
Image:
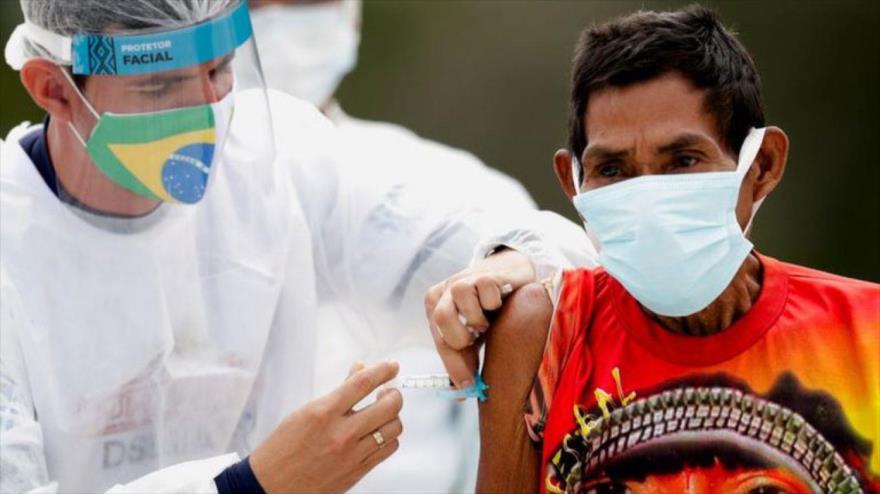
(673, 241)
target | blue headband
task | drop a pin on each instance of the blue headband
(95, 54)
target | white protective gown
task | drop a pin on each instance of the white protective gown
(440, 448)
(124, 355)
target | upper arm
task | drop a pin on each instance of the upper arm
(509, 460)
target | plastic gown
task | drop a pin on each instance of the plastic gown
(125, 355)
(440, 449)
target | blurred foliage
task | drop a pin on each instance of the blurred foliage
(492, 77)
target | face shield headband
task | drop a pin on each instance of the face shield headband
(140, 53)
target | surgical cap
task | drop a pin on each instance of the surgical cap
(67, 18)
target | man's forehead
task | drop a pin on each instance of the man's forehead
(659, 109)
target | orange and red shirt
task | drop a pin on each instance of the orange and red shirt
(787, 399)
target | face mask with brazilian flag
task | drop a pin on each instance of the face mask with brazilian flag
(164, 155)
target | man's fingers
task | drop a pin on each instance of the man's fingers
(432, 297)
(461, 365)
(370, 462)
(489, 292)
(380, 455)
(467, 302)
(362, 383)
(389, 431)
(446, 321)
(356, 366)
(383, 410)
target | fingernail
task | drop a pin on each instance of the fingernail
(465, 384)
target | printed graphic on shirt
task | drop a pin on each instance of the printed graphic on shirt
(710, 434)
(786, 400)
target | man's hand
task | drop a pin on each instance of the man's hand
(456, 308)
(326, 446)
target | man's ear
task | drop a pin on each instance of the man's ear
(771, 161)
(562, 164)
(49, 88)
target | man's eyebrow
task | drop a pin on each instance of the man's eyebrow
(163, 79)
(604, 153)
(681, 142)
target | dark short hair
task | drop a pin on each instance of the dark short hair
(646, 45)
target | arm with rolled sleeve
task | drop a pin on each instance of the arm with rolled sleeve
(380, 247)
(548, 239)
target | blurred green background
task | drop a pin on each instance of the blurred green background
(492, 77)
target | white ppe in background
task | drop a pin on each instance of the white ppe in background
(307, 48)
(440, 447)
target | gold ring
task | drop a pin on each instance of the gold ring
(380, 441)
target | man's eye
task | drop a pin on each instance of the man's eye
(221, 70)
(609, 171)
(154, 91)
(686, 161)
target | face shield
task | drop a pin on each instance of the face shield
(158, 107)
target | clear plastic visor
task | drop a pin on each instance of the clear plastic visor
(156, 110)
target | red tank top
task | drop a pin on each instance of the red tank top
(787, 398)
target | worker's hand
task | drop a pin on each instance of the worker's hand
(325, 446)
(456, 308)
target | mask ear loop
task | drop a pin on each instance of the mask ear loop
(576, 174)
(94, 113)
(755, 207)
(576, 169)
(748, 152)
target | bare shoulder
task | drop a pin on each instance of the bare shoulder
(519, 334)
(509, 461)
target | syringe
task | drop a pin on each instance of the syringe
(426, 381)
(442, 385)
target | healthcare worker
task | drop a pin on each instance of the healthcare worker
(165, 240)
(306, 49)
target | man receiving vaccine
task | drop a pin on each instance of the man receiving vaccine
(689, 361)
